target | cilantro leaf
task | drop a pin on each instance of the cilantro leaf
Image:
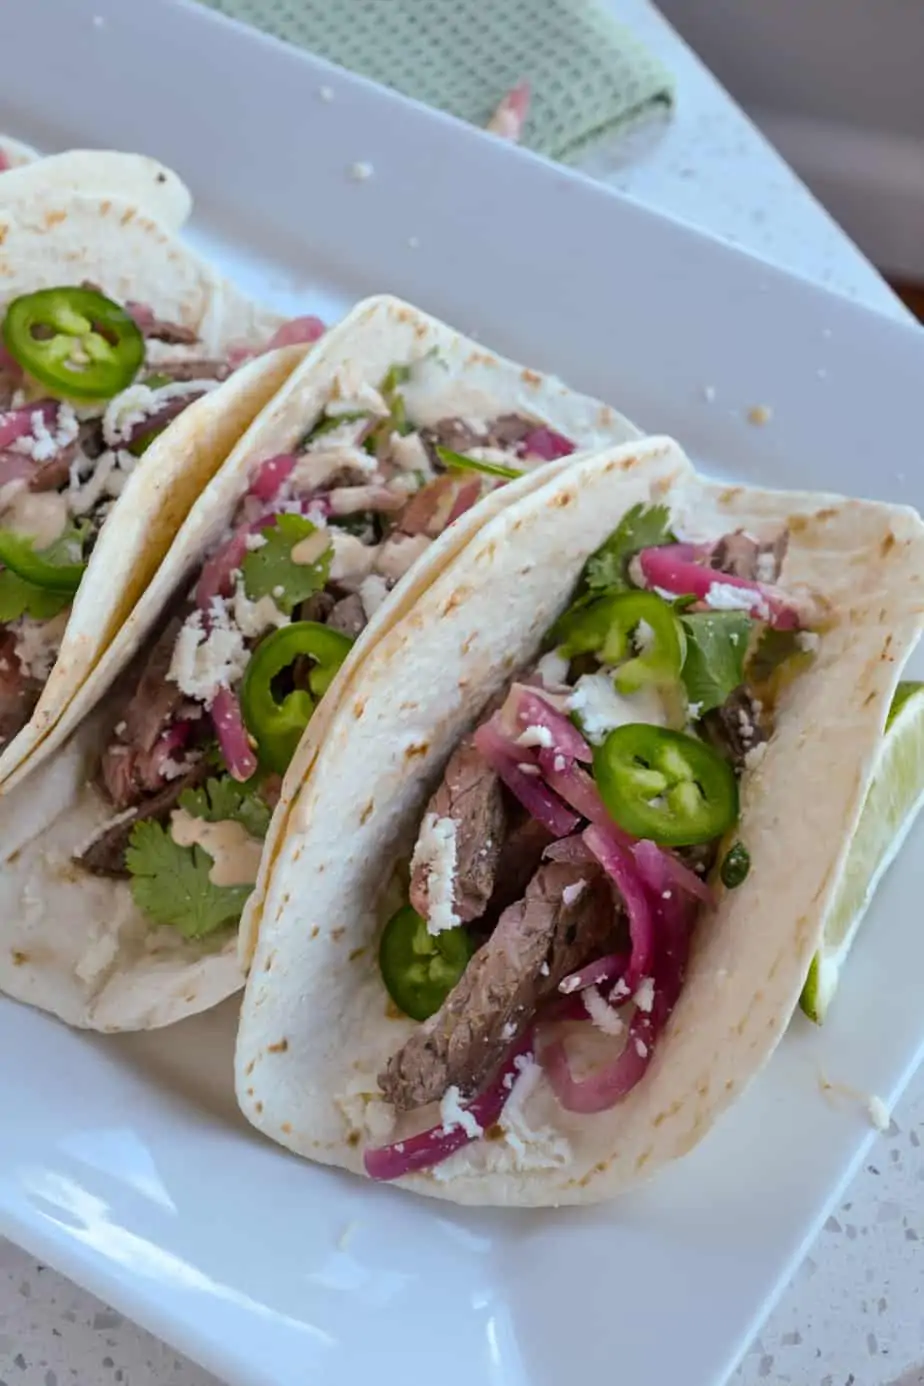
(717, 644)
(21, 598)
(223, 799)
(642, 527)
(171, 884)
(271, 566)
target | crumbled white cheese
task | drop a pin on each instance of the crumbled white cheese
(765, 567)
(352, 561)
(641, 1048)
(525, 768)
(407, 451)
(722, 596)
(454, 1115)
(253, 618)
(37, 643)
(573, 892)
(435, 852)
(694, 711)
(600, 707)
(352, 394)
(82, 498)
(553, 670)
(531, 1148)
(535, 736)
(43, 444)
(203, 662)
(372, 592)
(139, 402)
(644, 996)
(755, 755)
(808, 640)
(255, 541)
(400, 552)
(620, 991)
(879, 1113)
(601, 1012)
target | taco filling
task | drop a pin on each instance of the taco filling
(86, 385)
(582, 829)
(210, 715)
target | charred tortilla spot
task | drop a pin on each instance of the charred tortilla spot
(353, 1138)
(456, 599)
(729, 495)
(564, 498)
(337, 934)
(829, 513)
(869, 698)
(356, 953)
(392, 1012)
(417, 748)
(703, 1087)
(741, 1026)
(643, 1159)
(530, 377)
(54, 218)
(286, 1127)
(467, 643)
(412, 707)
(268, 965)
(19, 958)
(315, 931)
(250, 1092)
(729, 1084)
(14, 856)
(494, 1133)
(359, 708)
(279, 1047)
(887, 544)
(258, 1108)
(367, 811)
(250, 1068)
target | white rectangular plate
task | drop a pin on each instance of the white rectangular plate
(123, 1161)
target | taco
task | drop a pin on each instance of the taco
(115, 338)
(151, 186)
(352, 489)
(548, 896)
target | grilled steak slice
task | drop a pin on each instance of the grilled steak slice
(18, 694)
(470, 794)
(317, 607)
(537, 942)
(507, 432)
(155, 698)
(454, 434)
(520, 859)
(105, 855)
(199, 368)
(348, 615)
(737, 726)
(55, 473)
(741, 556)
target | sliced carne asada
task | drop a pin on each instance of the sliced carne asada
(507, 432)
(317, 607)
(18, 694)
(537, 942)
(454, 434)
(55, 473)
(740, 556)
(520, 859)
(348, 615)
(105, 855)
(469, 794)
(198, 368)
(737, 727)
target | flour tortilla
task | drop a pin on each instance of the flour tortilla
(75, 944)
(111, 242)
(315, 1026)
(17, 153)
(149, 184)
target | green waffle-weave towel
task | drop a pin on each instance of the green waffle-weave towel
(589, 76)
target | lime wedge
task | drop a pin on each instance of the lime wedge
(894, 797)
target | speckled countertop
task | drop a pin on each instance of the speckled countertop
(854, 1313)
